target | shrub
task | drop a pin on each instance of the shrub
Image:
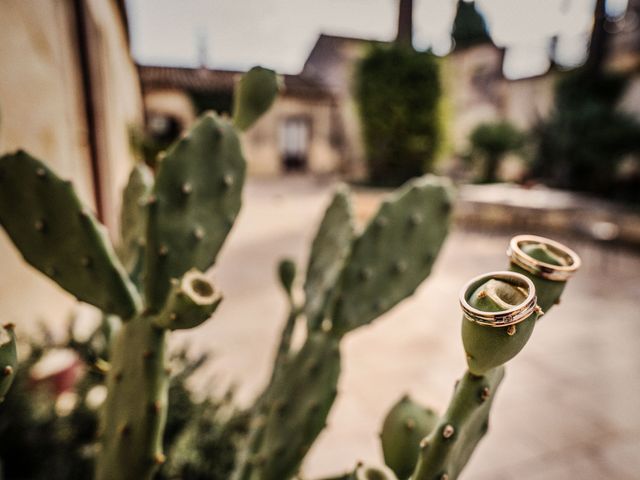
(398, 92)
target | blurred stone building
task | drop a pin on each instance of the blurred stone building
(314, 126)
(69, 94)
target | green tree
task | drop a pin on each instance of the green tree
(491, 142)
(398, 91)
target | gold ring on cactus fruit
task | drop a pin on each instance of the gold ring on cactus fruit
(548, 271)
(503, 318)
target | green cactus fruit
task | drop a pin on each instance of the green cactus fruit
(60, 237)
(489, 346)
(191, 301)
(447, 449)
(8, 358)
(194, 203)
(293, 412)
(547, 263)
(404, 426)
(133, 220)
(134, 413)
(329, 250)
(287, 274)
(395, 253)
(254, 94)
(369, 472)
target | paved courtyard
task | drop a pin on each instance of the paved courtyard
(569, 405)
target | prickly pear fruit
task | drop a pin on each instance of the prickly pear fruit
(194, 203)
(133, 220)
(404, 426)
(287, 274)
(329, 251)
(549, 264)
(253, 96)
(395, 253)
(489, 346)
(60, 237)
(447, 449)
(369, 472)
(191, 301)
(8, 358)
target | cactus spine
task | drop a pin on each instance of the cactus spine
(351, 280)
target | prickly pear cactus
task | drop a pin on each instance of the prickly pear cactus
(59, 236)
(8, 358)
(348, 285)
(253, 96)
(405, 425)
(447, 449)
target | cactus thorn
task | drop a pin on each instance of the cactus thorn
(485, 393)
(152, 200)
(227, 180)
(326, 325)
(86, 261)
(415, 219)
(444, 476)
(155, 407)
(365, 274)
(9, 326)
(424, 443)
(40, 172)
(410, 424)
(147, 354)
(163, 251)
(167, 371)
(8, 370)
(125, 430)
(448, 431)
(51, 271)
(159, 458)
(118, 376)
(39, 225)
(399, 267)
(511, 330)
(186, 188)
(381, 222)
(198, 233)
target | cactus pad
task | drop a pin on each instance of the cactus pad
(330, 249)
(254, 94)
(60, 237)
(395, 253)
(404, 426)
(195, 201)
(8, 358)
(446, 451)
(369, 472)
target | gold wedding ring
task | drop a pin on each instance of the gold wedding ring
(548, 271)
(511, 316)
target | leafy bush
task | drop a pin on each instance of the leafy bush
(56, 442)
(582, 143)
(398, 92)
(491, 141)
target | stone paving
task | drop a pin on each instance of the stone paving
(569, 405)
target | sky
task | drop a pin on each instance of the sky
(238, 34)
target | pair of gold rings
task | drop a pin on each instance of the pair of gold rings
(517, 256)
